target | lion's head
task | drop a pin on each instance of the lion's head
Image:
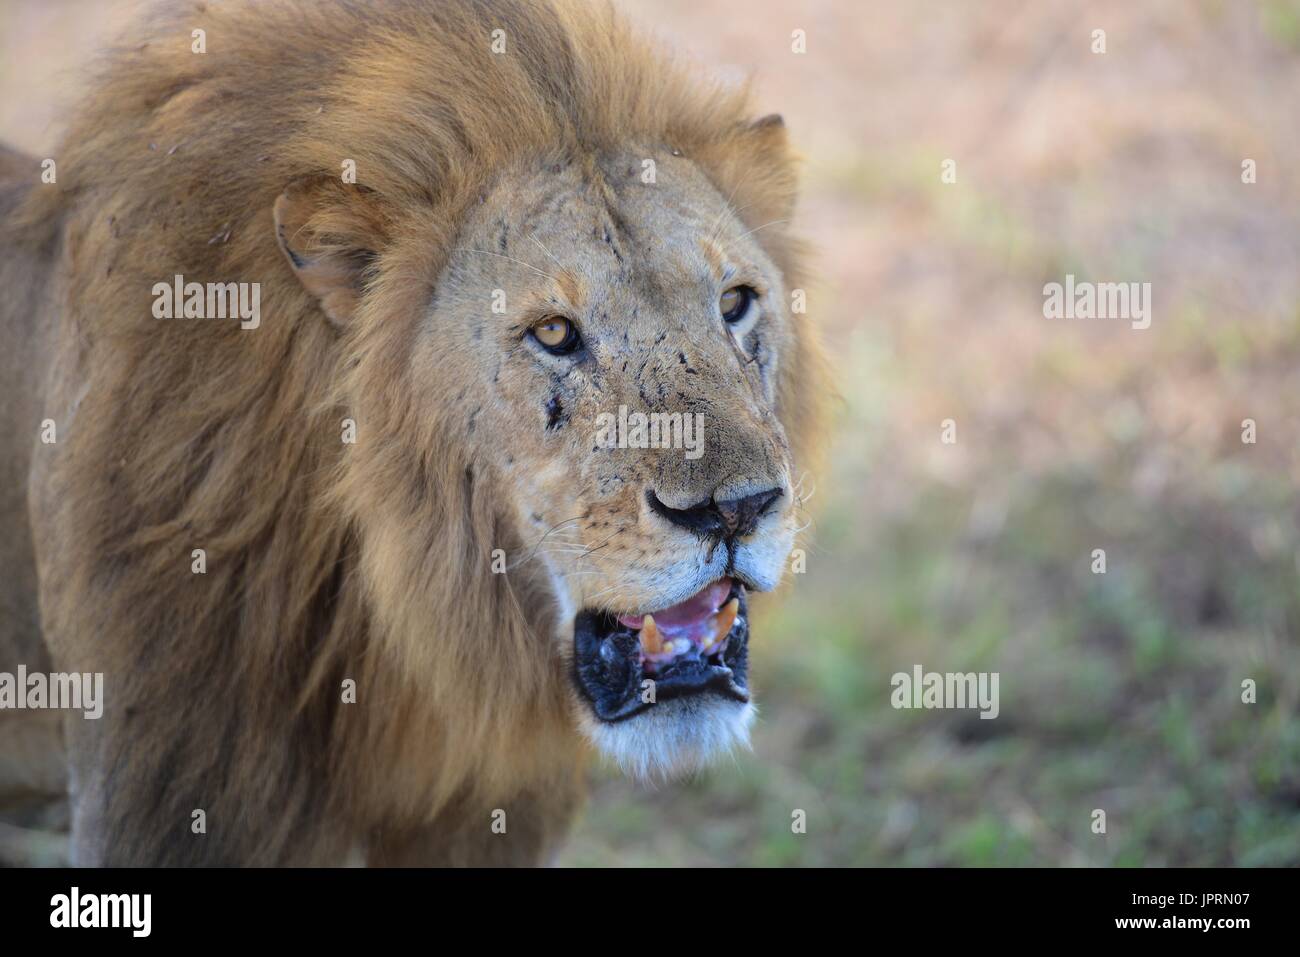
(603, 369)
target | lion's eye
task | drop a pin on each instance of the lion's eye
(557, 334)
(735, 302)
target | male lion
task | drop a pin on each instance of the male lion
(361, 580)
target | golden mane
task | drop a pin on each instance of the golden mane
(208, 436)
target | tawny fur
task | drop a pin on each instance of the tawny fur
(223, 689)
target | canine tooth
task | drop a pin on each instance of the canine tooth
(650, 636)
(722, 622)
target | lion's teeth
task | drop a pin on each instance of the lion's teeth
(722, 622)
(650, 642)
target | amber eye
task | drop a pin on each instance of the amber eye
(557, 334)
(735, 302)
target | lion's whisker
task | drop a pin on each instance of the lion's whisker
(764, 226)
(727, 207)
(488, 252)
(547, 251)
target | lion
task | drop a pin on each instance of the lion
(363, 583)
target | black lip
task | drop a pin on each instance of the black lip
(611, 683)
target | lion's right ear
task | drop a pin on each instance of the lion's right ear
(330, 234)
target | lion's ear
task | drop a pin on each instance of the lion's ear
(755, 166)
(330, 234)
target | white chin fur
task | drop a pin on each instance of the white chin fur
(674, 737)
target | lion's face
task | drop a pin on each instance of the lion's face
(614, 345)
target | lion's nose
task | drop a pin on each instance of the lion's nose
(728, 519)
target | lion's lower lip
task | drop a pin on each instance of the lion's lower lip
(612, 666)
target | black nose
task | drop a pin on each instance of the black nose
(733, 518)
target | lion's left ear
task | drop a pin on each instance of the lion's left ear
(330, 234)
(755, 166)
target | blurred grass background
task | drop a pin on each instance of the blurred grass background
(1119, 691)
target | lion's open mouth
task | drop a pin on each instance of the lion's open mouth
(696, 646)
